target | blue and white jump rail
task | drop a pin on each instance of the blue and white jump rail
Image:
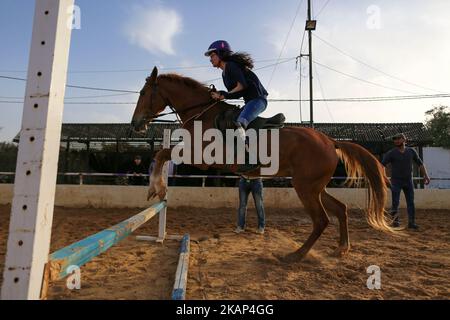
(83, 251)
(179, 288)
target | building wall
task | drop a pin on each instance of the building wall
(437, 161)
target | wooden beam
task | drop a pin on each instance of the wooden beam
(85, 250)
(37, 161)
(179, 288)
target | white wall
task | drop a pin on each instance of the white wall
(75, 196)
(437, 162)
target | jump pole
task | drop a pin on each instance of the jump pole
(37, 161)
(83, 251)
(165, 173)
(179, 288)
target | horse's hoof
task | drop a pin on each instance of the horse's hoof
(162, 194)
(151, 194)
(290, 258)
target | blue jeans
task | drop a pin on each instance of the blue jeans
(251, 111)
(255, 186)
(407, 186)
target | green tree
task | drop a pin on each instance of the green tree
(438, 124)
(8, 156)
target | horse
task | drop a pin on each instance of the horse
(308, 156)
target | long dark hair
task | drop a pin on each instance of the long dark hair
(243, 59)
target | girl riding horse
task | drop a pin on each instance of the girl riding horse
(240, 81)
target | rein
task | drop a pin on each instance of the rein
(209, 105)
(198, 115)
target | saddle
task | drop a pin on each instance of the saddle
(226, 120)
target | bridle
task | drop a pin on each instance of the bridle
(154, 87)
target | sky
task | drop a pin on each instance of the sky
(360, 49)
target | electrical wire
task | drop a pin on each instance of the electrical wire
(363, 80)
(374, 68)
(320, 11)
(323, 95)
(284, 44)
(351, 99)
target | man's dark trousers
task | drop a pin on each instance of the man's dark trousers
(397, 185)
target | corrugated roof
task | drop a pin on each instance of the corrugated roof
(357, 132)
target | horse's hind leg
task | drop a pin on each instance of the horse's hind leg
(311, 201)
(339, 209)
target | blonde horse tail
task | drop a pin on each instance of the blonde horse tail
(361, 163)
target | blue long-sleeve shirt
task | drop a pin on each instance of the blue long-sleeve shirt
(253, 88)
(401, 162)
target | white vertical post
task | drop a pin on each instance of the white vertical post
(165, 173)
(37, 161)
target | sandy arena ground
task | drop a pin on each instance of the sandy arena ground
(224, 265)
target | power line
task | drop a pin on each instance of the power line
(299, 60)
(260, 68)
(363, 80)
(100, 89)
(79, 103)
(323, 95)
(102, 96)
(284, 44)
(353, 99)
(78, 97)
(12, 78)
(6, 97)
(267, 66)
(320, 11)
(138, 70)
(130, 91)
(77, 87)
(374, 68)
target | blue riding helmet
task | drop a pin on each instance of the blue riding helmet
(218, 46)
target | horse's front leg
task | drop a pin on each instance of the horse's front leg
(158, 186)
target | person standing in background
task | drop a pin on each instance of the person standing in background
(137, 169)
(255, 186)
(401, 159)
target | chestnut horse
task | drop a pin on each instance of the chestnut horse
(308, 156)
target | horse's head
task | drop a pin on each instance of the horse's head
(149, 105)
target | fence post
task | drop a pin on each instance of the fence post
(37, 160)
(165, 173)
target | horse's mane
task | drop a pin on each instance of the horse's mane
(189, 82)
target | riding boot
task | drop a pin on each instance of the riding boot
(242, 136)
(246, 167)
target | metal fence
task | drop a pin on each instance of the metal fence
(122, 179)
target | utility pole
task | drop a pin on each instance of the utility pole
(310, 26)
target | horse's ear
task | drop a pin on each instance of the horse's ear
(154, 75)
